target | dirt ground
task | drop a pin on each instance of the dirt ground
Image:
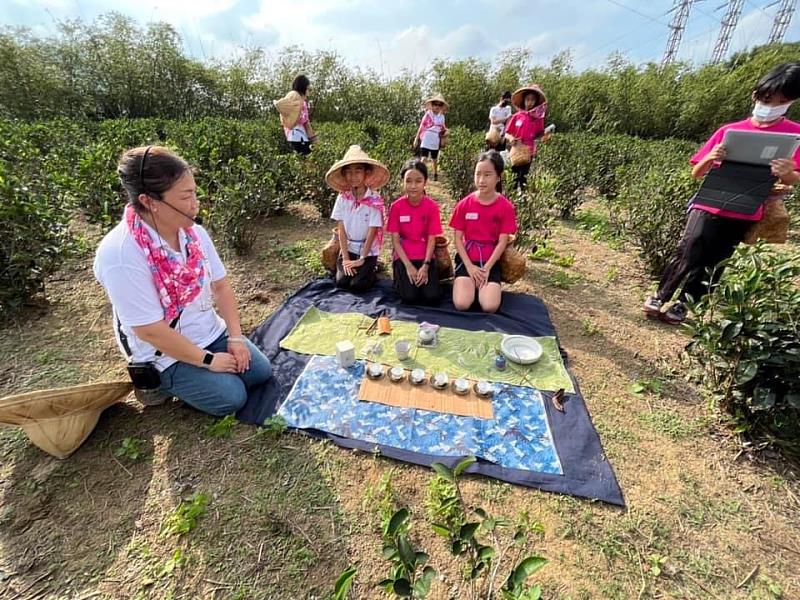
(286, 514)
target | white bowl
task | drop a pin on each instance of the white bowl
(521, 349)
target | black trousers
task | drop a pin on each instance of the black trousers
(707, 240)
(521, 175)
(364, 278)
(301, 147)
(430, 293)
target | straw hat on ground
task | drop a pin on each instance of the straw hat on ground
(289, 108)
(59, 420)
(375, 179)
(437, 98)
(518, 97)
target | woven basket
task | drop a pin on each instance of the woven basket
(520, 155)
(443, 139)
(444, 263)
(331, 251)
(58, 421)
(512, 265)
(773, 228)
(492, 136)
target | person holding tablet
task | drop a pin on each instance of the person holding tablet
(712, 233)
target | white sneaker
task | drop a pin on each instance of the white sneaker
(652, 307)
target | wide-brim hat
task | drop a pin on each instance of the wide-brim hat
(289, 108)
(437, 98)
(375, 179)
(518, 97)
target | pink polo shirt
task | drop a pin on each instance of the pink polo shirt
(415, 224)
(782, 126)
(483, 224)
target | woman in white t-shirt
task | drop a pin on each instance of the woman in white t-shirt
(163, 276)
(498, 116)
(359, 213)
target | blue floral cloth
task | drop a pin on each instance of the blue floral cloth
(325, 398)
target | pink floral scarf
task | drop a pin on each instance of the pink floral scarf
(178, 284)
(375, 201)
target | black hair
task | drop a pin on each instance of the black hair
(300, 84)
(414, 164)
(493, 156)
(506, 94)
(783, 79)
(150, 170)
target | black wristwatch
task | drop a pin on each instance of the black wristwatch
(208, 358)
(426, 262)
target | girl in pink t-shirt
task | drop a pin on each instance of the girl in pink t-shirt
(414, 223)
(712, 234)
(482, 222)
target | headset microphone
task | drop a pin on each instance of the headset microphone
(198, 219)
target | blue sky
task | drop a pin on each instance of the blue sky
(389, 35)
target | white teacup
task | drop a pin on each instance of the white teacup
(417, 376)
(396, 373)
(461, 385)
(440, 380)
(375, 369)
(484, 388)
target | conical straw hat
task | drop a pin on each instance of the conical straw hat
(375, 179)
(437, 98)
(518, 97)
(289, 108)
(59, 420)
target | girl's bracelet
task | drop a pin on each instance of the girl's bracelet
(237, 339)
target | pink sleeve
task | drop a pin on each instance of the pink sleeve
(509, 222)
(457, 220)
(511, 126)
(435, 220)
(708, 146)
(392, 223)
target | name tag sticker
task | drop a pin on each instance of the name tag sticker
(471, 216)
(405, 218)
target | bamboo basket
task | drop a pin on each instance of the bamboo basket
(331, 251)
(444, 263)
(59, 420)
(773, 227)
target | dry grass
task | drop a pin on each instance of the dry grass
(288, 514)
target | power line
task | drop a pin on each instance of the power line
(641, 14)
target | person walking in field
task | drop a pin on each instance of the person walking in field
(499, 115)
(712, 234)
(431, 131)
(524, 128)
(293, 111)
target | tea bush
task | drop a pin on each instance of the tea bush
(745, 344)
(458, 160)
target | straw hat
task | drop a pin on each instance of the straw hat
(437, 98)
(289, 108)
(59, 420)
(375, 179)
(518, 97)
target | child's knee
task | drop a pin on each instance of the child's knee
(462, 303)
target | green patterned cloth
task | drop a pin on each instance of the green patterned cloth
(460, 353)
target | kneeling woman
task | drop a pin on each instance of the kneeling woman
(359, 213)
(483, 222)
(163, 274)
(414, 223)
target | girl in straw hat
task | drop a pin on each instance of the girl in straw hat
(431, 129)
(482, 222)
(293, 110)
(359, 213)
(414, 222)
(526, 126)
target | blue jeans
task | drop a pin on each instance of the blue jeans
(217, 394)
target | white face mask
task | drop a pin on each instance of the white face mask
(765, 112)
